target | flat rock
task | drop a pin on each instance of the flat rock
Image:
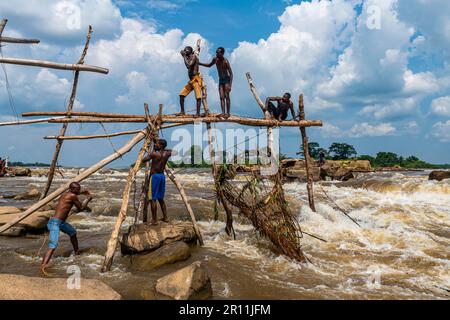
(146, 238)
(19, 171)
(189, 283)
(171, 253)
(439, 175)
(339, 170)
(17, 287)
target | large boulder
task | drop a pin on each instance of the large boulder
(296, 169)
(171, 253)
(189, 283)
(338, 170)
(32, 194)
(17, 287)
(146, 238)
(39, 172)
(19, 171)
(9, 210)
(35, 223)
(439, 175)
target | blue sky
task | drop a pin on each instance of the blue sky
(375, 71)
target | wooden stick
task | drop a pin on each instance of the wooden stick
(3, 23)
(81, 114)
(180, 188)
(301, 106)
(85, 174)
(192, 120)
(116, 134)
(20, 122)
(63, 130)
(54, 65)
(112, 243)
(20, 41)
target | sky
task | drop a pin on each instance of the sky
(376, 72)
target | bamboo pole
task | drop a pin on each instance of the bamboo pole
(112, 243)
(192, 120)
(20, 122)
(19, 41)
(3, 23)
(63, 130)
(54, 65)
(85, 174)
(301, 106)
(81, 114)
(99, 136)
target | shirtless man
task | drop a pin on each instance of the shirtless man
(157, 185)
(225, 78)
(195, 81)
(58, 221)
(285, 104)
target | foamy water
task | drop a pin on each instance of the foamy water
(401, 249)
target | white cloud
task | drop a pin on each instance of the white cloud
(441, 131)
(441, 106)
(367, 130)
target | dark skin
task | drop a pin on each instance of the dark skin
(224, 70)
(192, 64)
(62, 211)
(159, 158)
(285, 100)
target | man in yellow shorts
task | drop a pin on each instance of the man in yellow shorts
(195, 81)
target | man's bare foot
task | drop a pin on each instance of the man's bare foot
(154, 223)
(180, 114)
(43, 271)
(164, 219)
(223, 115)
(197, 115)
(77, 253)
(227, 116)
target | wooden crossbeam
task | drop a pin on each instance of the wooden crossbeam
(54, 65)
(19, 41)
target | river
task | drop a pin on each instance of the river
(401, 250)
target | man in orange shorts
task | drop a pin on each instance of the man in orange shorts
(195, 81)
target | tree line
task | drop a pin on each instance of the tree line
(344, 151)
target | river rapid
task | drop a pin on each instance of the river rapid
(401, 250)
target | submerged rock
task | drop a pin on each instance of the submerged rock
(439, 175)
(171, 253)
(16, 287)
(145, 237)
(189, 283)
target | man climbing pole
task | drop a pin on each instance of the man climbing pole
(195, 81)
(58, 221)
(225, 79)
(280, 112)
(157, 184)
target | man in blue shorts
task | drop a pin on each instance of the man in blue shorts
(157, 185)
(58, 222)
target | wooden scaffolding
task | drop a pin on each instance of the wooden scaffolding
(153, 123)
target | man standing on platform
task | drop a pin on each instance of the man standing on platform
(195, 81)
(225, 78)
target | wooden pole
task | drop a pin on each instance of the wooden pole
(301, 106)
(180, 188)
(85, 174)
(192, 120)
(20, 122)
(112, 243)
(63, 130)
(19, 41)
(99, 136)
(3, 23)
(54, 65)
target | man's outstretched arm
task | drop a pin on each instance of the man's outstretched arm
(208, 65)
(82, 206)
(291, 106)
